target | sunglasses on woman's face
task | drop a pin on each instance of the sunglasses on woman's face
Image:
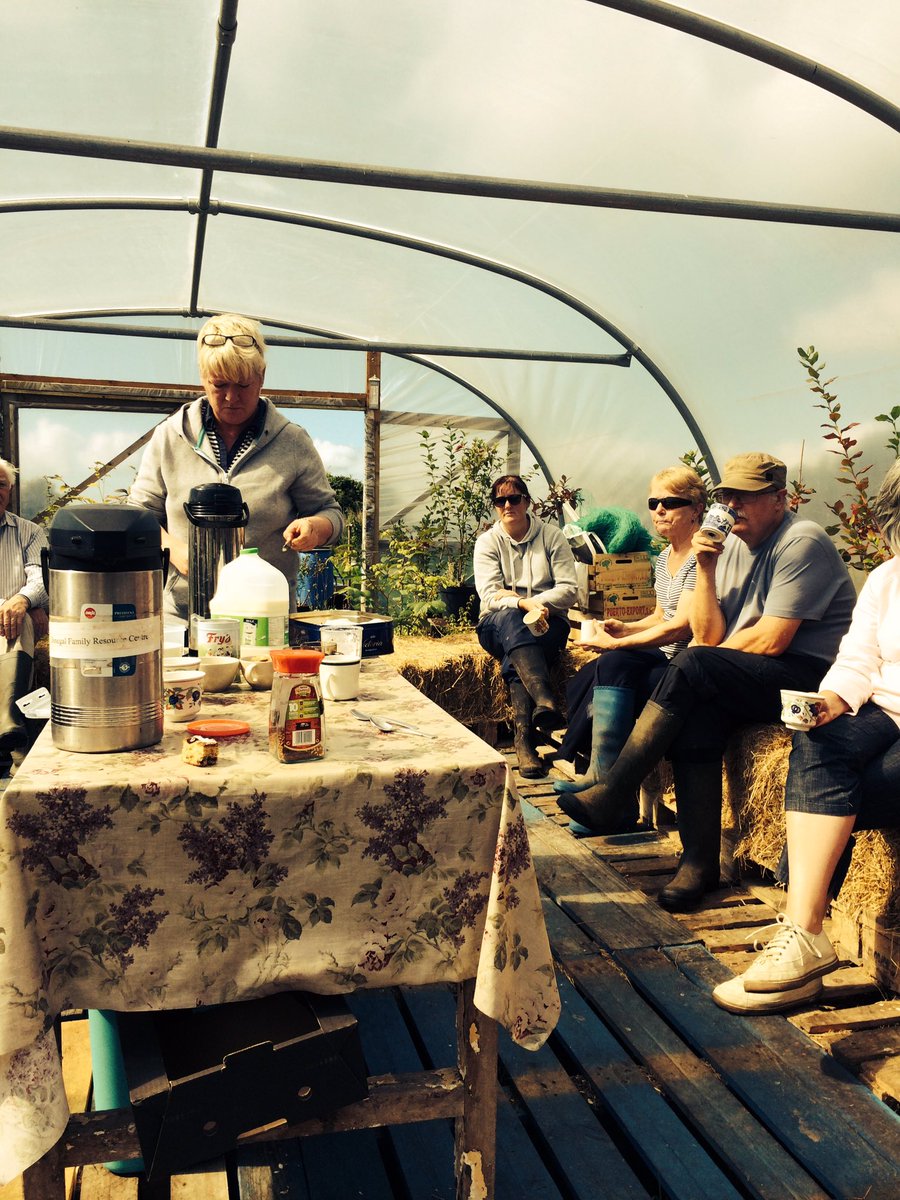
(668, 502)
(515, 500)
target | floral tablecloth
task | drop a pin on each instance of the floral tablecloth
(134, 881)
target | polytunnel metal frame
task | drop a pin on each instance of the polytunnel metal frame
(209, 159)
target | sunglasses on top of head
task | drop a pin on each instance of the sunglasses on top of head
(244, 340)
(668, 502)
(515, 500)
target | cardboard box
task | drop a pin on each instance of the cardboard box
(629, 604)
(635, 569)
(198, 1078)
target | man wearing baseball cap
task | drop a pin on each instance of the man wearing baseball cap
(770, 607)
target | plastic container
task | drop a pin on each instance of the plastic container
(255, 593)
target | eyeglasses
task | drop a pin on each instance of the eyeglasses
(668, 502)
(515, 500)
(244, 340)
(742, 498)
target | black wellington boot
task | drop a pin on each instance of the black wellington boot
(15, 679)
(611, 805)
(530, 763)
(531, 667)
(698, 797)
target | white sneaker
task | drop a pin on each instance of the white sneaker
(731, 996)
(789, 959)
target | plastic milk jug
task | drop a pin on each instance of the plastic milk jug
(255, 593)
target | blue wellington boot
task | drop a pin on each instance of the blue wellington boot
(612, 718)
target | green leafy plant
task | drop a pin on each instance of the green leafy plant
(862, 547)
(459, 472)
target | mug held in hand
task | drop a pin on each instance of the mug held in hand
(718, 521)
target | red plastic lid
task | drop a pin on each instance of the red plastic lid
(218, 727)
(298, 661)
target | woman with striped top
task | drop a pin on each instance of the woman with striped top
(606, 695)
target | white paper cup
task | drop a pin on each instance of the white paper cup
(799, 709)
(182, 694)
(587, 629)
(535, 620)
(718, 521)
(339, 678)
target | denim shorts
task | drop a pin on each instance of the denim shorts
(847, 767)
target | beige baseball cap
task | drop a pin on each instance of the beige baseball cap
(753, 472)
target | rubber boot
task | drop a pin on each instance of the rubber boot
(611, 805)
(530, 763)
(15, 679)
(531, 668)
(612, 719)
(698, 797)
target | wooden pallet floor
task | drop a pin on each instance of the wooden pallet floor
(645, 1090)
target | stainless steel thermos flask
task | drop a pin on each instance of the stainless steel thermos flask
(217, 516)
(104, 571)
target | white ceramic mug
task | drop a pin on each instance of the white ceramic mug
(800, 709)
(258, 670)
(718, 521)
(339, 678)
(182, 694)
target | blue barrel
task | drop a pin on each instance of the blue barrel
(315, 579)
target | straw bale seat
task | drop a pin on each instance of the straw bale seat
(465, 680)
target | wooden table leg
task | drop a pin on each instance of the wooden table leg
(476, 1128)
(46, 1180)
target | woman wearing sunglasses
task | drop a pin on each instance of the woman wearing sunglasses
(522, 565)
(606, 695)
(233, 434)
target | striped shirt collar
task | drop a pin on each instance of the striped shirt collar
(225, 458)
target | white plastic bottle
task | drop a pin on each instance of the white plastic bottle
(255, 593)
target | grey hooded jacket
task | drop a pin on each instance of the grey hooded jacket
(280, 478)
(540, 565)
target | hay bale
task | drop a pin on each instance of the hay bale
(465, 680)
(755, 771)
(873, 881)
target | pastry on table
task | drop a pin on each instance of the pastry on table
(200, 751)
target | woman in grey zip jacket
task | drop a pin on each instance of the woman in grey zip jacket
(522, 564)
(233, 435)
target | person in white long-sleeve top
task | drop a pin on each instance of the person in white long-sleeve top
(521, 566)
(23, 614)
(839, 772)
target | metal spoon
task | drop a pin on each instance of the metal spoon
(378, 722)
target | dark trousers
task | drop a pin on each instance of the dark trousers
(718, 690)
(638, 670)
(503, 630)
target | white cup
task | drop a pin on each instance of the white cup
(339, 678)
(258, 669)
(800, 709)
(587, 629)
(182, 694)
(718, 521)
(535, 620)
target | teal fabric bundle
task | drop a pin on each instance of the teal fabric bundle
(619, 529)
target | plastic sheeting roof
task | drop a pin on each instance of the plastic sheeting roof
(571, 109)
